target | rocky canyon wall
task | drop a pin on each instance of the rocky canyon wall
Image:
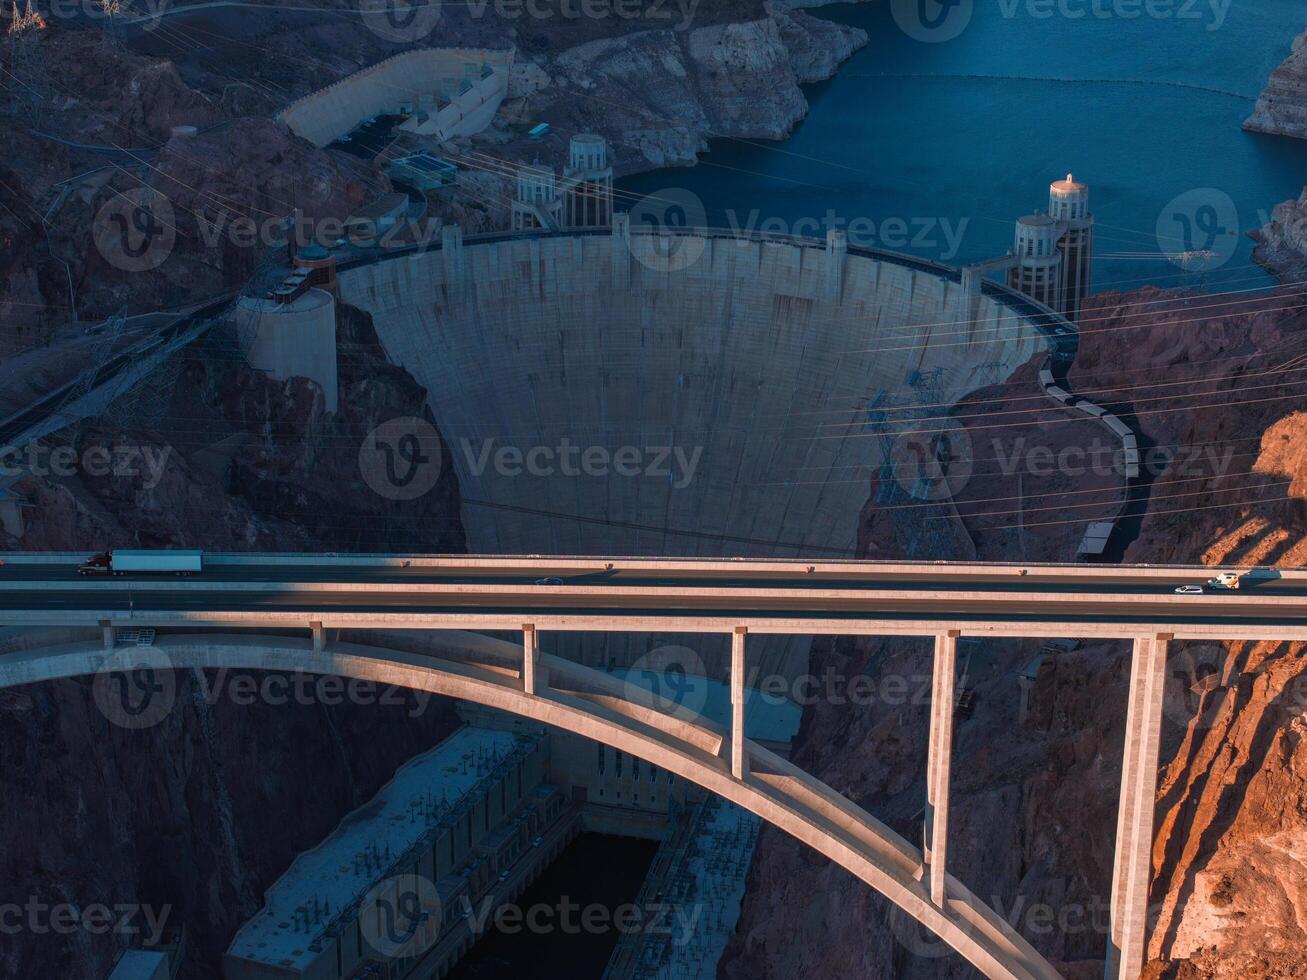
(1038, 748)
(194, 815)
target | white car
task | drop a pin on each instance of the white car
(1189, 590)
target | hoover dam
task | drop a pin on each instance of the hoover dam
(694, 394)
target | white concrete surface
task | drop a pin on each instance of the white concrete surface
(415, 78)
(293, 340)
(736, 388)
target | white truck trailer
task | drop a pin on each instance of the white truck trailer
(144, 563)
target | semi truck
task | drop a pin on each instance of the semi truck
(143, 563)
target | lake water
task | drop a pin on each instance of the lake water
(935, 147)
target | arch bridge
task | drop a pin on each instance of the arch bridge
(406, 616)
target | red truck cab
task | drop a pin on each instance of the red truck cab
(96, 565)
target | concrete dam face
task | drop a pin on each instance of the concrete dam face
(700, 395)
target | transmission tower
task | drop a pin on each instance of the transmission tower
(26, 60)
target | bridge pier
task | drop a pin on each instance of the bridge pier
(319, 637)
(939, 761)
(739, 760)
(1133, 868)
(107, 633)
(530, 657)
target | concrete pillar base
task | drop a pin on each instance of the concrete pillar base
(939, 763)
(1133, 869)
(837, 249)
(530, 658)
(739, 758)
(621, 251)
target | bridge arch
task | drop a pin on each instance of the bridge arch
(773, 789)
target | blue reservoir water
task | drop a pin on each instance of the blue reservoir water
(935, 147)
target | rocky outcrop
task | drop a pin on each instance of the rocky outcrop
(816, 47)
(1036, 771)
(220, 200)
(1282, 242)
(1282, 107)
(660, 95)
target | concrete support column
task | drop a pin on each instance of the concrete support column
(530, 657)
(319, 637)
(837, 249)
(938, 762)
(739, 761)
(621, 251)
(533, 250)
(451, 247)
(107, 633)
(970, 281)
(1132, 871)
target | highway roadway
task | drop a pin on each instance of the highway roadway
(663, 595)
